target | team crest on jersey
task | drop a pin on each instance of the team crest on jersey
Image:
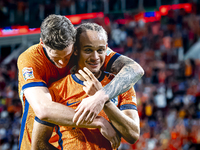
(108, 51)
(134, 99)
(115, 100)
(27, 73)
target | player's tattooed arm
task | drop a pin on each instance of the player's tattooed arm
(127, 71)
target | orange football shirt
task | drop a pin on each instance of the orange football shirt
(35, 69)
(69, 91)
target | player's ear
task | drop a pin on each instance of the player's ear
(75, 50)
(41, 42)
(106, 45)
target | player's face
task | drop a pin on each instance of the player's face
(92, 51)
(58, 57)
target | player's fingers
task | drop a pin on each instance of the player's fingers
(75, 118)
(89, 118)
(94, 81)
(86, 83)
(85, 89)
(84, 75)
(117, 142)
(82, 117)
(79, 106)
(89, 115)
(113, 144)
(89, 73)
(92, 118)
(77, 114)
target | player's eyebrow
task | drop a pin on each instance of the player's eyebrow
(87, 46)
(92, 46)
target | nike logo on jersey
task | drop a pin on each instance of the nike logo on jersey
(69, 104)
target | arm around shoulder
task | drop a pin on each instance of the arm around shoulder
(46, 109)
(127, 71)
(127, 64)
(39, 99)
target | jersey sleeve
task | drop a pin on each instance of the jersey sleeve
(111, 56)
(30, 72)
(30, 69)
(128, 100)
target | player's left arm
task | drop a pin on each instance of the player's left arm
(125, 121)
(40, 137)
(127, 71)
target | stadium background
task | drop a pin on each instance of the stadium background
(161, 35)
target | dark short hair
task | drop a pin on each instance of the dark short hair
(57, 32)
(88, 26)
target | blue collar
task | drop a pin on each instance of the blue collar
(81, 82)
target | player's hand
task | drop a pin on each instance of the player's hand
(91, 106)
(88, 109)
(110, 134)
(91, 83)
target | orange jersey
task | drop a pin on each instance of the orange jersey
(35, 69)
(69, 91)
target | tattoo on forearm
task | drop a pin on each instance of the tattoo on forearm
(127, 76)
(119, 63)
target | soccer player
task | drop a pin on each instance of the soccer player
(90, 49)
(51, 60)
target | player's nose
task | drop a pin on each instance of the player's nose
(95, 55)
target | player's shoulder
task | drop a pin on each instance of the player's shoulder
(111, 55)
(32, 51)
(109, 51)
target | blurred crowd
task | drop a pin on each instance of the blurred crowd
(32, 12)
(10, 107)
(168, 95)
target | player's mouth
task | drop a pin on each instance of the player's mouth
(93, 65)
